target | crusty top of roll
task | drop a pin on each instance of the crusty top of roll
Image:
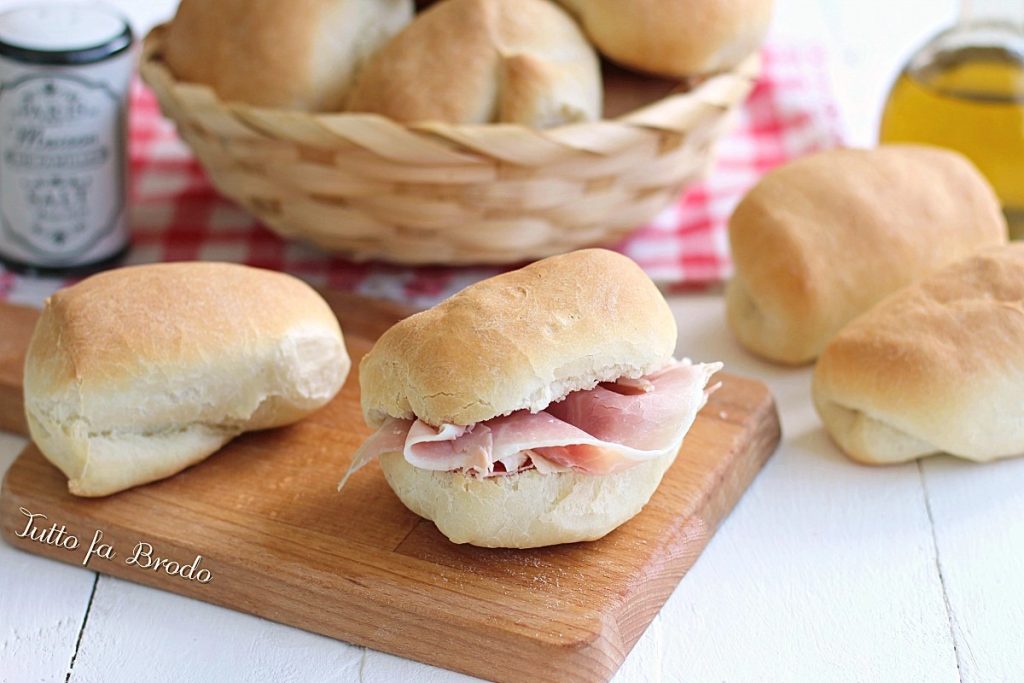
(820, 240)
(520, 341)
(936, 367)
(91, 356)
(674, 37)
(134, 374)
(294, 54)
(485, 61)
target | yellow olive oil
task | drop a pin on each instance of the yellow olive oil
(970, 100)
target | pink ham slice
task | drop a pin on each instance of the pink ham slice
(599, 431)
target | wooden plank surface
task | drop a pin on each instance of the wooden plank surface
(978, 517)
(130, 631)
(281, 543)
(825, 570)
(41, 606)
(16, 325)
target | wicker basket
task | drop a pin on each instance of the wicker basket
(368, 187)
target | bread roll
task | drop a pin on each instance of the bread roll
(937, 367)
(291, 54)
(528, 510)
(674, 37)
(485, 61)
(520, 340)
(135, 374)
(489, 415)
(822, 239)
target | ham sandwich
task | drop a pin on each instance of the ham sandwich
(599, 431)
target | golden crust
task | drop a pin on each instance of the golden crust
(935, 367)
(484, 61)
(117, 325)
(135, 373)
(520, 341)
(300, 54)
(674, 37)
(822, 239)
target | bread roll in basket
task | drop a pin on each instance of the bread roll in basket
(371, 188)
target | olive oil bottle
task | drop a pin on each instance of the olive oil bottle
(965, 90)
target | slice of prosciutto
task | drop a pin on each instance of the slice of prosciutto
(598, 431)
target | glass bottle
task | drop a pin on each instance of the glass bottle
(965, 90)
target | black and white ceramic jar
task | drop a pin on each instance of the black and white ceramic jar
(65, 71)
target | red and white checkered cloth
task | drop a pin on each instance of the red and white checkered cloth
(175, 214)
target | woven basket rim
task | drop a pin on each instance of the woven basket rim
(431, 192)
(153, 70)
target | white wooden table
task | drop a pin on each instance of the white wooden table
(825, 571)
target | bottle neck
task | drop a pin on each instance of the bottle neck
(1003, 12)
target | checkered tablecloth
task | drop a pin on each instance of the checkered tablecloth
(175, 214)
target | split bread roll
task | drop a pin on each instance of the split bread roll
(290, 54)
(134, 374)
(520, 341)
(485, 61)
(528, 510)
(935, 368)
(674, 38)
(819, 241)
(538, 407)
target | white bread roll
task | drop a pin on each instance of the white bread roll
(674, 38)
(291, 54)
(937, 367)
(521, 340)
(485, 61)
(134, 374)
(527, 510)
(820, 240)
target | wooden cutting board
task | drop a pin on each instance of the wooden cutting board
(278, 541)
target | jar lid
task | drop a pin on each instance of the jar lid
(63, 33)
